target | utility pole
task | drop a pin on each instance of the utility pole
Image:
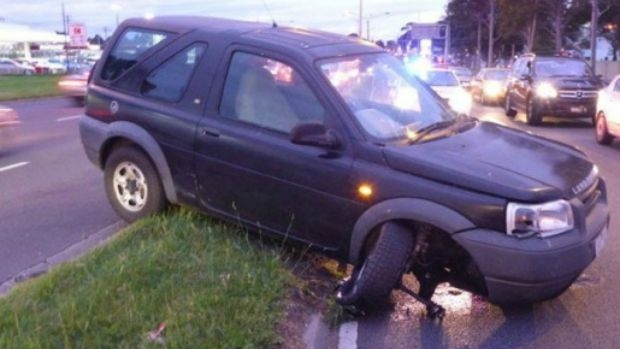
(360, 19)
(491, 25)
(593, 29)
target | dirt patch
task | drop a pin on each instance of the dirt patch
(316, 279)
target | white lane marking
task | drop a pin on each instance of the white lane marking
(14, 166)
(69, 118)
(347, 335)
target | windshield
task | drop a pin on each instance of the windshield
(387, 102)
(495, 74)
(555, 67)
(440, 78)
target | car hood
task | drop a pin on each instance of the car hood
(446, 92)
(497, 160)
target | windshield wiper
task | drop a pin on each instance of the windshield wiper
(421, 133)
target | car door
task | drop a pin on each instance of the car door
(522, 83)
(248, 168)
(612, 111)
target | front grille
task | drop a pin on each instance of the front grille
(577, 94)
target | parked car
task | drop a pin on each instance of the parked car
(49, 66)
(12, 67)
(328, 141)
(551, 86)
(448, 87)
(608, 113)
(489, 85)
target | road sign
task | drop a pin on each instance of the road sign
(77, 35)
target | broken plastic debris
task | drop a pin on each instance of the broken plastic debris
(157, 335)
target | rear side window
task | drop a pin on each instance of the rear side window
(128, 49)
(169, 81)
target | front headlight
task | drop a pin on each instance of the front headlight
(546, 90)
(461, 101)
(492, 88)
(543, 220)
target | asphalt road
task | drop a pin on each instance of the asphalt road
(51, 197)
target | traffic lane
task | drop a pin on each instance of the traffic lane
(580, 318)
(55, 199)
(42, 121)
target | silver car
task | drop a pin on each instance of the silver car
(12, 67)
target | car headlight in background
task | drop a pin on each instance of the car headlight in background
(461, 101)
(492, 88)
(546, 90)
(543, 220)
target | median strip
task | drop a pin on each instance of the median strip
(14, 166)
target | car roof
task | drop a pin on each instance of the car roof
(315, 42)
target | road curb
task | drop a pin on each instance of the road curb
(71, 253)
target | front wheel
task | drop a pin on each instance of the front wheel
(532, 116)
(373, 280)
(602, 134)
(132, 184)
(510, 112)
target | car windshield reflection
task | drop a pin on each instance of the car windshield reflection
(387, 102)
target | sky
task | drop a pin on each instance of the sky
(385, 17)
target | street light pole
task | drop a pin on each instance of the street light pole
(359, 21)
(593, 27)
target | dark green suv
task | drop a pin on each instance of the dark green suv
(551, 86)
(328, 141)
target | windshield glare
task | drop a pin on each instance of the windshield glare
(387, 102)
(562, 67)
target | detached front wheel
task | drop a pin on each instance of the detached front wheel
(132, 184)
(375, 277)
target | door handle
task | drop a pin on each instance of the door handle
(209, 132)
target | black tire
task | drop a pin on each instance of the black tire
(532, 115)
(510, 112)
(132, 184)
(601, 131)
(375, 277)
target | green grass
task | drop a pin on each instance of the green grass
(19, 87)
(209, 283)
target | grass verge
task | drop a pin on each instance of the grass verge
(19, 87)
(208, 283)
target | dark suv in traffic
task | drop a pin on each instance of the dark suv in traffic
(551, 86)
(328, 141)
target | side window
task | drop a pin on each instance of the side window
(268, 93)
(128, 49)
(169, 81)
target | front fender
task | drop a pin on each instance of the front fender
(418, 210)
(97, 137)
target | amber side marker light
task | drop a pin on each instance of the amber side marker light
(364, 190)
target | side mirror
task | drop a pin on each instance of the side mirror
(314, 134)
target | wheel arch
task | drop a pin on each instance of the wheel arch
(404, 209)
(125, 133)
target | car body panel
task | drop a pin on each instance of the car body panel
(609, 105)
(330, 195)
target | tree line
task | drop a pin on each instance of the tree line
(498, 29)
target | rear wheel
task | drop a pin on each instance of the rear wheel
(532, 115)
(132, 184)
(602, 134)
(375, 277)
(511, 113)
